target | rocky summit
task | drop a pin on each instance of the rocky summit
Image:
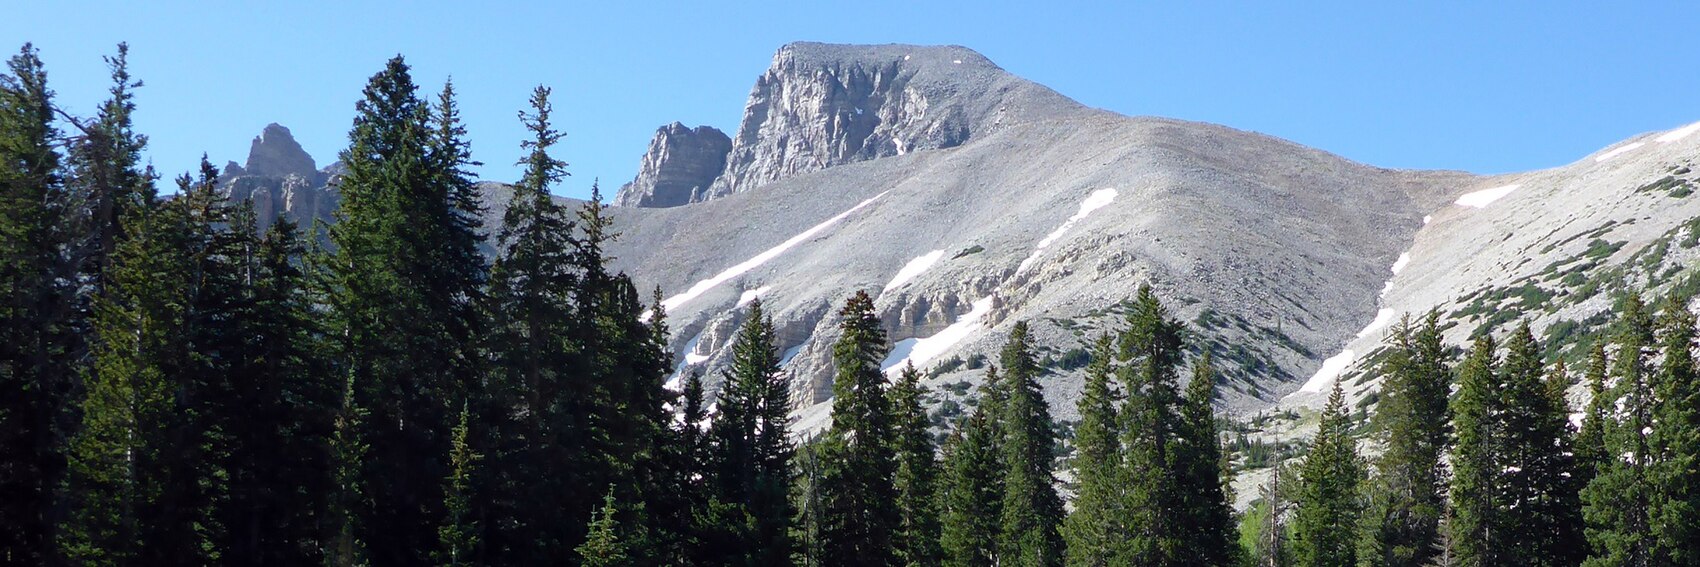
(966, 199)
(281, 180)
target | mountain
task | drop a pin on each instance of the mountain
(280, 178)
(966, 199)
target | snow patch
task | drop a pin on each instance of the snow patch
(1481, 199)
(1620, 150)
(957, 61)
(921, 350)
(691, 357)
(752, 294)
(1330, 370)
(1400, 264)
(789, 354)
(1427, 218)
(1382, 319)
(1097, 200)
(703, 286)
(914, 268)
(1678, 133)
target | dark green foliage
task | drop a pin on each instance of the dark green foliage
(402, 283)
(917, 474)
(1408, 494)
(1477, 499)
(860, 517)
(1532, 462)
(1204, 486)
(1617, 503)
(37, 312)
(606, 545)
(1328, 493)
(1153, 497)
(1591, 438)
(751, 449)
(972, 487)
(458, 535)
(1093, 527)
(1031, 511)
(1675, 441)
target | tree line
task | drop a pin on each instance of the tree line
(179, 388)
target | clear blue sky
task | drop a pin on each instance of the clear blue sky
(1497, 87)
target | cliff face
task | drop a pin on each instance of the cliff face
(678, 168)
(281, 179)
(822, 105)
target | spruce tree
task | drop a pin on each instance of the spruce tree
(1617, 502)
(107, 179)
(917, 474)
(1091, 529)
(1477, 489)
(1537, 506)
(1591, 452)
(751, 453)
(972, 491)
(1409, 488)
(536, 402)
(860, 514)
(1328, 493)
(606, 545)
(1153, 504)
(1204, 489)
(401, 282)
(37, 334)
(1032, 511)
(458, 536)
(1675, 440)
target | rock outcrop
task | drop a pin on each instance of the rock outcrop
(679, 167)
(823, 105)
(281, 180)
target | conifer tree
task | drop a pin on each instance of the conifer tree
(860, 515)
(37, 335)
(1153, 501)
(1408, 488)
(1328, 492)
(1532, 465)
(458, 535)
(401, 282)
(606, 545)
(917, 474)
(1675, 440)
(107, 178)
(1032, 511)
(1204, 489)
(1617, 502)
(1091, 529)
(751, 452)
(972, 491)
(536, 402)
(1477, 490)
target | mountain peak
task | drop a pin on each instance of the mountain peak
(276, 153)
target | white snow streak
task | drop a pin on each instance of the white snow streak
(1399, 264)
(703, 286)
(1330, 370)
(1382, 319)
(1618, 151)
(914, 268)
(1427, 218)
(1481, 199)
(1097, 200)
(921, 350)
(691, 357)
(752, 294)
(1678, 133)
(790, 353)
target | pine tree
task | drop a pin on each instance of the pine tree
(1328, 492)
(536, 402)
(752, 454)
(458, 536)
(1204, 488)
(1617, 501)
(1032, 510)
(1675, 440)
(1091, 529)
(917, 474)
(1532, 464)
(972, 491)
(1408, 487)
(605, 546)
(401, 282)
(348, 498)
(860, 515)
(108, 182)
(1153, 501)
(36, 312)
(1477, 492)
